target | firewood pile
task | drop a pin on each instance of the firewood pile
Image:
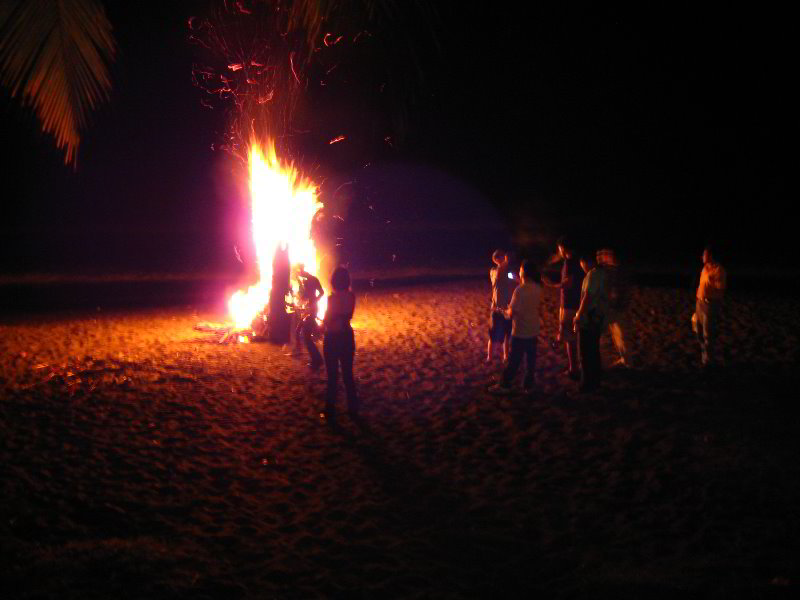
(230, 334)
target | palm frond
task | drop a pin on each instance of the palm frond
(54, 54)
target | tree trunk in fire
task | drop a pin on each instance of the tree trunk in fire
(278, 321)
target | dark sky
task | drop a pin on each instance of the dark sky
(668, 124)
(654, 129)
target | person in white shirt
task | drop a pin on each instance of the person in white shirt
(524, 314)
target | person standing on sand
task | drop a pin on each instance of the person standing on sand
(502, 287)
(339, 344)
(589, 322)
(570, 286)
(619, 324)
(309, 292)
(524, 314)
(713, 282)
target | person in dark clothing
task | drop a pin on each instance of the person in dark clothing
(308, 294)
(339, 344)
(590, 321)
(570, 286)
(619, 301)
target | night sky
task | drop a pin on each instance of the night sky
(652, 131)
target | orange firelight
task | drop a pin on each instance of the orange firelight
(283, 205)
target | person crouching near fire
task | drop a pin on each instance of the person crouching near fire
(309, 292)
(524, 314)
(711, 289)
(502, 286)
(339, 343)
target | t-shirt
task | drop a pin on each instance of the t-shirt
(571, 294)
(713, 281)
(525, 311)
(595, 286)
(502, 287)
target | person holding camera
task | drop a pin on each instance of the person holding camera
(503, 284)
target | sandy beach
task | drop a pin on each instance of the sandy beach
(142, 459)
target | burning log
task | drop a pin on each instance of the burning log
(228, 333)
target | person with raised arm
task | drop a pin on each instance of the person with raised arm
(503, 284)
(308, 295)
(570, 286)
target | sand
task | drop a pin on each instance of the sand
(140, 459)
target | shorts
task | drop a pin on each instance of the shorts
(565, 330)
(500, 327)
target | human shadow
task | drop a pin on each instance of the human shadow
(442, 524)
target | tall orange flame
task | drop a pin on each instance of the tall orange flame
(283, 206)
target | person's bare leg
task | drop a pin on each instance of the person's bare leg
(506, 347)
(572, 356)
(489, 351)
(618, 339)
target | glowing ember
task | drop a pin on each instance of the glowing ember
(283, 206)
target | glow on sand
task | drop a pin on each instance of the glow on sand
(283, 205)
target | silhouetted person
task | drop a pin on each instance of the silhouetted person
(619, 322)
(339, 344)
(713, 282)
(589, 322)
(308, 294)
(278, 321)
(502, 287)
(524, 314)
(570, 286)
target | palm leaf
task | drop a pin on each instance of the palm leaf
(54, 54)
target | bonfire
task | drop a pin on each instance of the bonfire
(283, 204)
